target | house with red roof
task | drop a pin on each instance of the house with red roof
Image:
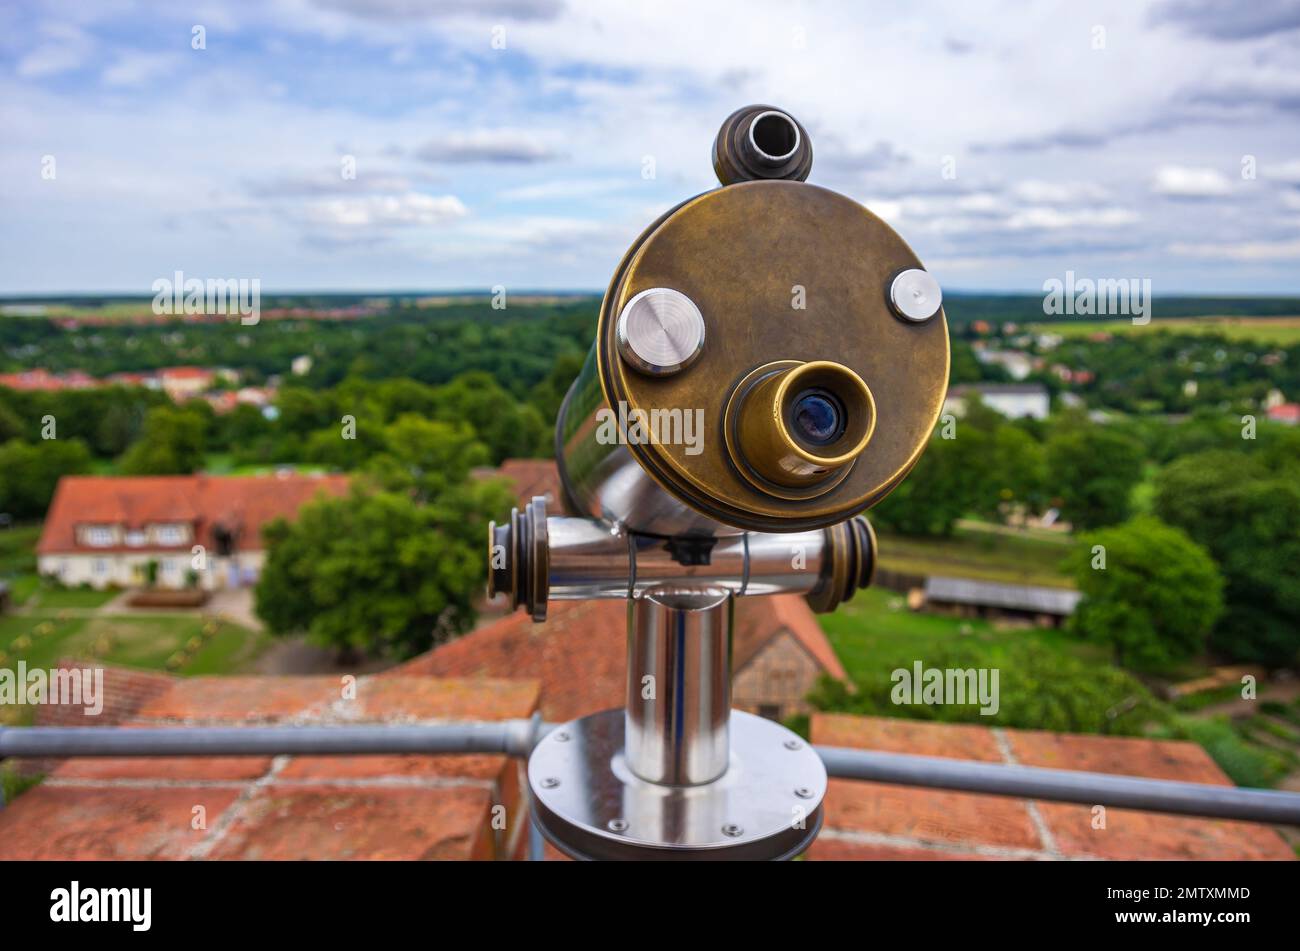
(1286, 413)
(105, 530)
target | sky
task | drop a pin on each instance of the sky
(526, 143)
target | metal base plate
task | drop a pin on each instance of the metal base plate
(768, 805)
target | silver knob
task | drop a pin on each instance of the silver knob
(915, 295)
(660, 331)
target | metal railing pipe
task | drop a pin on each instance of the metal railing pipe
(517, 738)
(510, 737)
(1063, 785)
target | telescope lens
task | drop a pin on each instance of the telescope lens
(818, 417)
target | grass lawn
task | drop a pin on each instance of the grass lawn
(876, 631)
(183, 644)
(47, 599)
(1282, 331)
(875, 634)
(1009, 556)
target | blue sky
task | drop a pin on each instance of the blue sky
(1007, 142)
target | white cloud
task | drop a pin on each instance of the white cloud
(567, 188)
(1056, 219)
(510, 146)
(1241, 250)
(583, 92)
(1182, 182)
(135, 69)
(1283, 172)
(369, 211)
(48, 61)
(1051, 193)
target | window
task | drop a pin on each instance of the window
(136, 539)
(101, 567)
(99, 536)
(170, 534)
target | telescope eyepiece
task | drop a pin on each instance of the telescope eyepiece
(795, 429)
(816, 418)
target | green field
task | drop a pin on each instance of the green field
(223, 463)
(133, 640)
(1047, 680)
(1006, 555)
(876, 630)
(1282, 331)
(62, 626)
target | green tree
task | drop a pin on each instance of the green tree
(240, 429)
(11, 424)
(1093, 471)
(379, 570)
(1247, 515)
(951, 479)
(1018, 472)
(329, 446)
(29, 473)
(426, 458)
(550, 392)
(173, 442)
(506, 426)
(1149, 592)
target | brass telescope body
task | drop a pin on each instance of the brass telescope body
(784, 274)
(770, 361)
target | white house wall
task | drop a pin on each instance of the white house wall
(129, 569)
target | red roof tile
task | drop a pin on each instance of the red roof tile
(578, 655)
(877, 820)
(579, 652)
(411, 807)
(376, 822)
(530, 477)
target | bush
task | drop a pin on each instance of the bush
(1246, 765)
(1039, 689)
(1149, 592)
(1248, 516)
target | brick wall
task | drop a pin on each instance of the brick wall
(124, 692)
(781, 674)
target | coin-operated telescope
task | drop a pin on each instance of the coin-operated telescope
(770, 360)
